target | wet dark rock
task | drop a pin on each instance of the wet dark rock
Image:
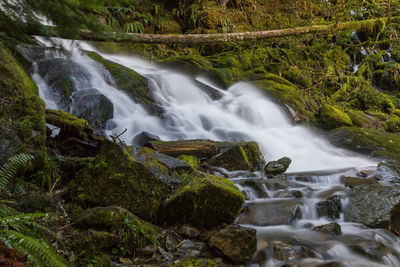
(274, 212)
(365, 173)
(388, 172)
(92, 106)
(189, 231)
(371, 249)
(373, 205)
(331, 228)
(256, 186)
(213, 93)
(63, 76)
(235, 242)
(356, 181)
(329, 208)
(277, 167)
(143, 138)
(289, 194)
(276, 184)
(284, 251)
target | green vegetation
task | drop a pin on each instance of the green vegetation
(20, 230)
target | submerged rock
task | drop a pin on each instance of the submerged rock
(329, 208)
(235, 242)
(388, 172)
(206, 201)
(116, 178)
(284, 251)
(277, 167)
(92, 106)
(331, 228)
(63, 77)
(371, 249)
(374, 206)
(274, 212)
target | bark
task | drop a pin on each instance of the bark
(237, 36)
(199, 148)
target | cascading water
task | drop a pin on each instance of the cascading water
(243, 113)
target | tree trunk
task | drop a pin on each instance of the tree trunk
(370, 25)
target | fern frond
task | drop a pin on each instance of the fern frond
(41, 252)
(9, 170)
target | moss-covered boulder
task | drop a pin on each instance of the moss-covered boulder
(116, 178)
(367, 141)
(297, 103)
(235, 242)
(238, 156)
(332, 117)
(70, 125)
(277, 167)
(193, 161)
(206, 201)
(115, 230)
(168, 169)
(127, 80)
(22, 124)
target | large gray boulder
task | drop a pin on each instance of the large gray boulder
(374, 206)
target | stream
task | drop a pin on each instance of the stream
(283, 211)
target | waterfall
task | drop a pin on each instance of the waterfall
(243, 113)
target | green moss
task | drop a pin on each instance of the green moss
(116, 178)
(361, 119)
(191, 160)
(127, 79)
(238, 156)
(368, 141)
(393, 124)
(284, 92)
(22, 124)
(206, 201)
(195, 263)
(333, 117)
(69, 124)
(132, 232)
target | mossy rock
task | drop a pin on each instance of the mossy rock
(170, 170)
(206, 201)
(193, 161)
(127, 233)
(242, 156)
(38, 202)
(298, 105)
(116, 178)
(195, 263)
(361, 119)
(332, 117)
(367, 141)
(393, 124)
(127, 80)
(22, 123)
(70, 125)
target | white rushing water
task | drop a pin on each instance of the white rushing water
(243, 113)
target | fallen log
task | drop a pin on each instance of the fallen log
(369, 25)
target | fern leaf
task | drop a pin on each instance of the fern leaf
(40, 251)
(9, 170)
